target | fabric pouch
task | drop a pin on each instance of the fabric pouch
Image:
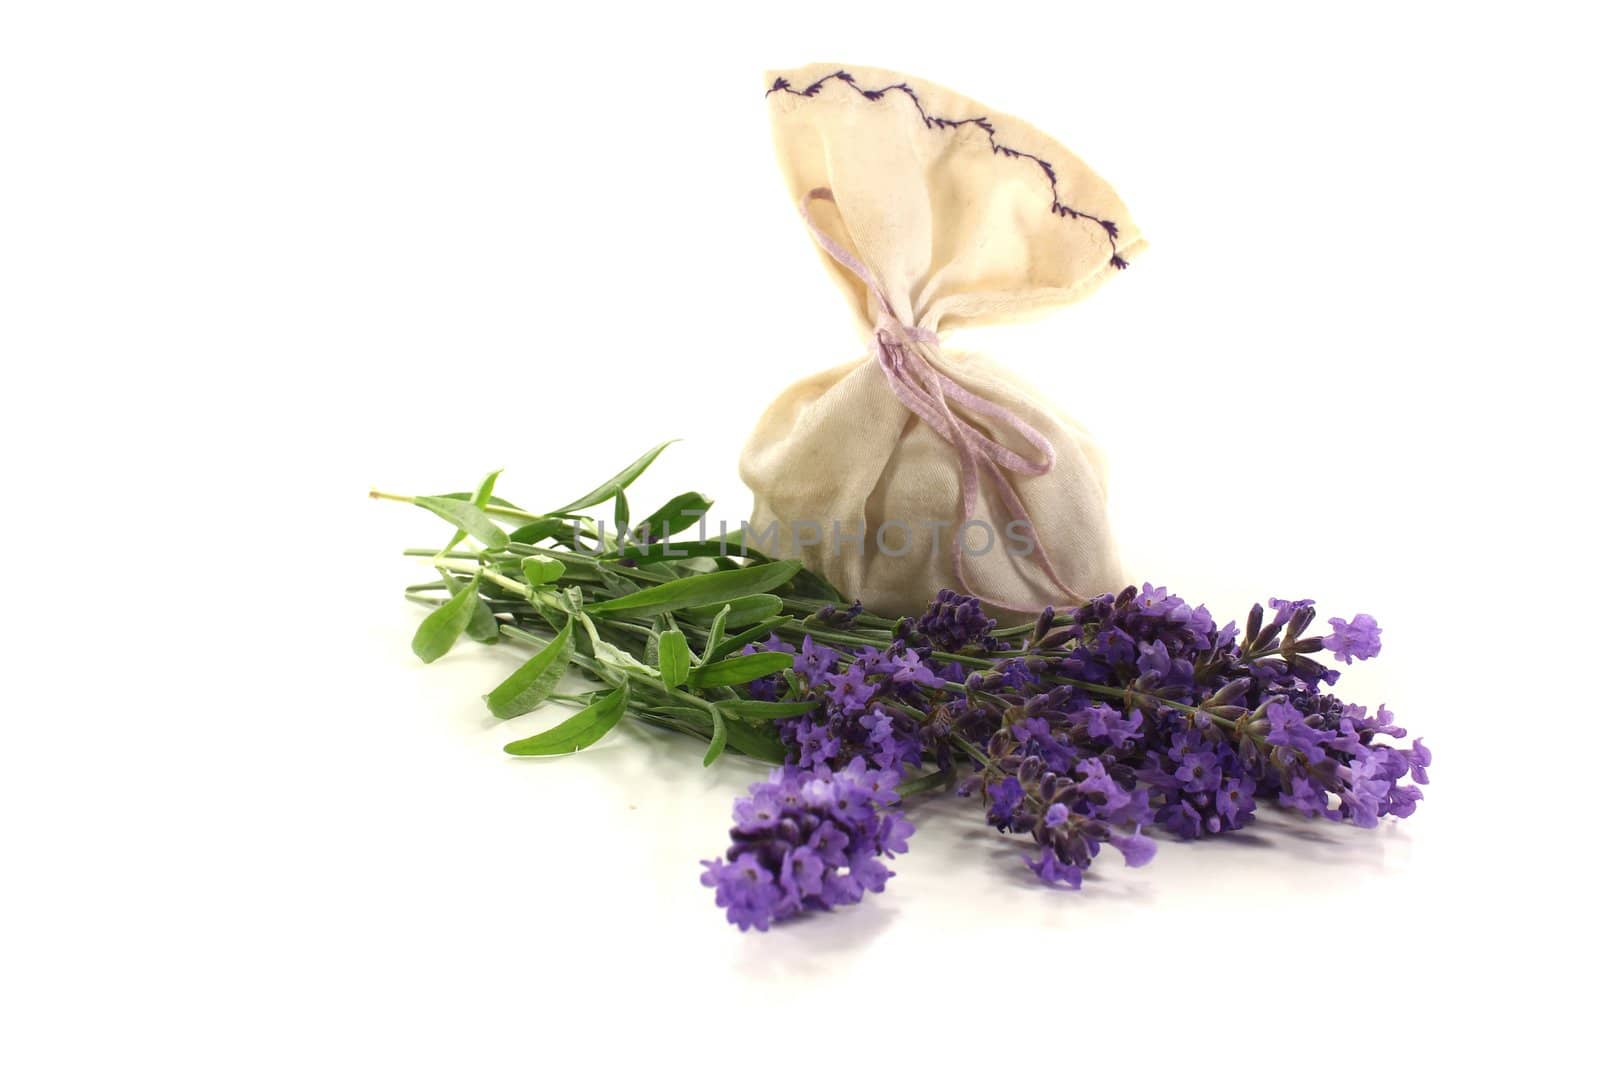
(916, 468)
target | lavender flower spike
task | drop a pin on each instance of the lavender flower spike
(808, 840)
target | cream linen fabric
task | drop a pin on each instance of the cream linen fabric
(950, 208)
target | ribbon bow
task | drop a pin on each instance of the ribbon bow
(903, 354)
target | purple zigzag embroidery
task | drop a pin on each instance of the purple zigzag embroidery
(936, 122)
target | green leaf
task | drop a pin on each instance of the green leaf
(675, 516)
(673, 658)
(675, 550)
(484, 494)
(533, 682)
(736, 670)
(699, 590)
(497, 501)
(620, 514)
(542, 570)
(616, 586)
(580, 731)
(466, 516)
(748, 610)
(719, 736)
(483, 627)
(718, 626)
(754, 635)
(762, 710)
(614, 484)
(811, 584)
(445, 623)
(756, 742)
(538, 530)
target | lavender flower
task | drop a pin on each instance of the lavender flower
(1356, 639)
(1139, 710)
(1135, 712)
(870, 706)
(815, 661)
(808, 840)
(954, 622)
(1099, 725)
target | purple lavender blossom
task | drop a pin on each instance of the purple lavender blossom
(1357, 638)
(954, 622)
(1285, 609)
(1258, 726)
(815, 661)
(1068, 803)
(1136, 711)
(869, 707)
(808, 840)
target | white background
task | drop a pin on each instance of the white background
(255, 258)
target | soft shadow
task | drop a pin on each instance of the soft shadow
(817, 943)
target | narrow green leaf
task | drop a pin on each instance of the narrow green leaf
(580, 731)
(675, 550)
(719, 736)
(484, 494)
(730, 645)
(673, 658)
(736, 670)
(500, 502)
(621, 658)
(466, 516)
(700, 590)
(679, 718)
(759, 743)
(616, 586)
(445, 623)
(763, 710)
(748, 610)
(718, 627)
(811, 584)
(754, 740)
(675, 516)
(483, 627)
(533, 682)
(538, 530)
(542, 570)
(620, 514)
(614, 484)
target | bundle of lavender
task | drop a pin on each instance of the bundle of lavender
(1131, 715)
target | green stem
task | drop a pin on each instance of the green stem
(923, 783)
(506, 583)
(513, 513)
(1113, 691)
(596, 668)
(845, 637)
(977, 754)
(809, 605)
